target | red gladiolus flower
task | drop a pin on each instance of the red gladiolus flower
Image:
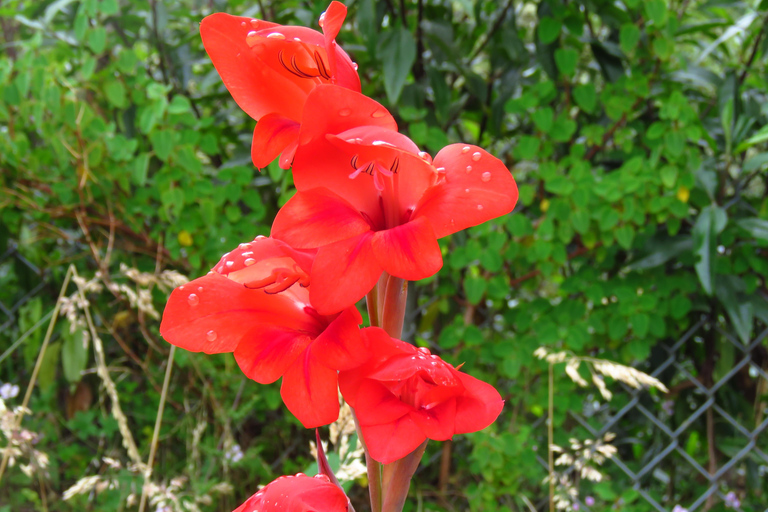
(269, 69)
(404, 395)
(300, 493)
(255, 303)
(370, 201)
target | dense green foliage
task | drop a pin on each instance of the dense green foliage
(637, 132)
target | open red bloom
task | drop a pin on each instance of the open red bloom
(404, 395)
(255, 303)
(300, 493)
(370, 201)
(270, 69)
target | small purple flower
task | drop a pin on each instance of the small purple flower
(589, 500)
(732, 501)
(575, 506)
(678, 508)
(234, 454)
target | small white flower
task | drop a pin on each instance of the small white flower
(8, 391)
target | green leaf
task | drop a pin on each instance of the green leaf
(625, 235)
(640, 324)
(162, 143)
(656, 10)
(140, 167)
(474, 288)
(398, 55)
(179, 104)
(115, 93)
(668, 175)
(586, 97)
(566, 60)
(47, 376)
(543, 119)
(663, 251)
(755, 162)
(729, 290)
(629, 36)
(758, 228)
(549, 29)
(704, 246)
(74, 355)
(97, 39)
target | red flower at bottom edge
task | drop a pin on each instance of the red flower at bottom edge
(300, 493)
(404, 395)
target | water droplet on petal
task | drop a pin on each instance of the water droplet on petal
(354, 66)
(193, 299)
(479, 207)
(425, 156)
(259, 237)
(181, 287)
(322, 20)
(297, 39)
(378, 113)
(469, 169)
(465, 149)
(476, 156)
(251, 38)
(249, 261)
(230, 263)
(220, 269)
(255, 23)
(466, 191)
(243, 246)
(276, 35)
(211, 336)
(424, 350)
(486, 177)
(199, 289)
(242, 24)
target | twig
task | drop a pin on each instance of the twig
(496, 26)
(156, 433)
(38, 364)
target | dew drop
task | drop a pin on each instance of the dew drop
(465, 149)
(250, 38)
(354, 66)
(242, 24)
(230, 263)
(199, 289)
(297, 39)
(243, 246)
(259, 237)
(469, 169)
(424, 350)
(476, 156)
(255, 23)
(486, 177)
(378, 113)
(322, 20)
(479, 207)
(249, 261)
(181, 287)
(425, 156)
(276, 35)
(220, 269)
(466, 191)
(193, 299)
(440, 170)
(210, 335)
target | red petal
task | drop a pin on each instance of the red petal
(392, 441)
(467, 198)
(438, 422)
(318, 163)
(333, 19)
(269, 351)
(409, 251)
(340, 345)
(272, 135)
(302, 493)
(479, 407)
(379, 406)
(381, 347)
(212, 314)
(310, 391)
(317, 218)
(343, 273)
(257, 88)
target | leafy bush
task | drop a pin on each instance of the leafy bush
(636, 131)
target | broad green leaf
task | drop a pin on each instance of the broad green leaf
(663, 251)
(586, 97)
(474, 288)
(549, 29)
(629, 36)
(730, 292)
(566, 60)
(398, 53)
(704, 233)
(758, 228)
(115, 93)
(74, 354)
(656, 10)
